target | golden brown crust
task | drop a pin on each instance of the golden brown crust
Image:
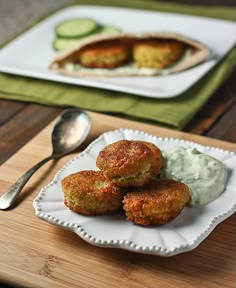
(158, 53)
(156, 203)
(104, 55)
(157, 158)
(127, 163)
(91, 193)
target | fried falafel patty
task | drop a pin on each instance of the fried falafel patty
(157, 54)
(158, 202)
(128, 163)
(104, 55)
(91, 193)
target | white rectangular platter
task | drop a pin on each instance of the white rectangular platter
(30, 53)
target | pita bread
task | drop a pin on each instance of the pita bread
(64, 62)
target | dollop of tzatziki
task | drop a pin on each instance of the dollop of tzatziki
(204, 175)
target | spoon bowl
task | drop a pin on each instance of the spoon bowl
(70, 130)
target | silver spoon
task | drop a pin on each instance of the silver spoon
(70, 130)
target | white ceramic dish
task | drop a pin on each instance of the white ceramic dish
(183, 234)
(30, 53)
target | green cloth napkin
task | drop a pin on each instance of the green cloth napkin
(175, 112)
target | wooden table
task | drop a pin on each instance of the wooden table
(212, 264)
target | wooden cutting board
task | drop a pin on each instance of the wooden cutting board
(34, 253)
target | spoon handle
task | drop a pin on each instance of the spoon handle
(8, 198)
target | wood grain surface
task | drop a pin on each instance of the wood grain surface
(35, 253)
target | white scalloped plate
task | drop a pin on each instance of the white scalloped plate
(183, 234)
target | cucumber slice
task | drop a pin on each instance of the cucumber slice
(60, 44)
(65, 29)
(109, 30)
(76, 28)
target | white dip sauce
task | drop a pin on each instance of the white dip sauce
(204, 175)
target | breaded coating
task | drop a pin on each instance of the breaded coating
(104, 55)
(91, 193)
(128, 163)
(157, 158)
(157, 54)
(158, 202)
